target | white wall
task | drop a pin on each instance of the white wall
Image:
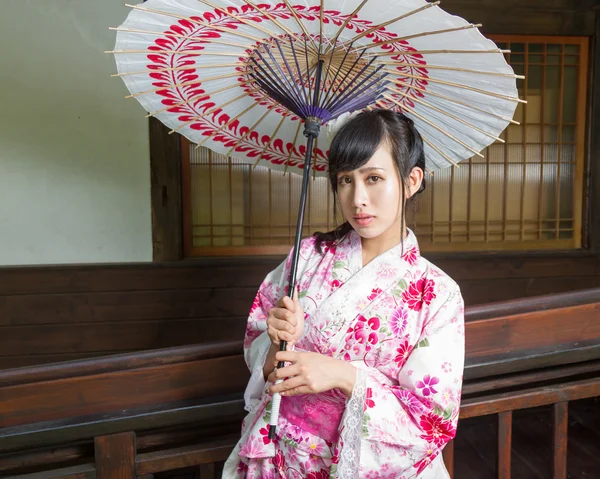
(74, 155)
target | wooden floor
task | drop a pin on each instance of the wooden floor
(476, 444)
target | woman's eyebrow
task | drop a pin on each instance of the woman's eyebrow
(370, 168)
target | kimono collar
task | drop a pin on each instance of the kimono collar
(408, 249)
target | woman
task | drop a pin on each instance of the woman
(376, 337)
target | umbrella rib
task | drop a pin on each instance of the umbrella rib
(194, 53)
(226, 125)
(188, 83)
(207, 113)
(444, 112)
(248, 131)
(204, 24)
(272, 137)
(177, 35)
(444, 155)
(454, 69)
(220, 90)
(301, 25)
(300, 73)
(274, 85)
(343, 26)
(347, 73)
(321, 11)
(238, 18)
(172, 69)
(436, 52)
(454, 100)
(404, 107)
(458, 85)
(293, 88)
(385, 24)
(423, 34)
(269, 16)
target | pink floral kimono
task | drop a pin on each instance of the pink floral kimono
(399, 321)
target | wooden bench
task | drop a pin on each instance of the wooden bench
(138, 414)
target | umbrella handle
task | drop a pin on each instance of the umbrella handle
(311, 131)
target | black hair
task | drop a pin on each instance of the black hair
(358, 140)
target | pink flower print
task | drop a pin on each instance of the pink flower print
(403, 353)
(412, 403)
(436, 430)
(264, 432)
(242, 467)
(252, 332)
(447, 367)
(316, 449)
(386, 271)
(374, 293)
(409, 373)
(253, 447)
(364, 332)
(449, 396)
(335, 284)
(419, 292)
(398, 321)
(322, 474)
(423, 463)
(255, 304)
(279, 461)
(410, 256)
(427, 385)
(369, 403)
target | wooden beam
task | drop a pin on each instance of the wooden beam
(165, 171)
(115, 456)
(593, 190)
(560, 423)
(504, 444)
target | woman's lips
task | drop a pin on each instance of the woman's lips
(363, 220)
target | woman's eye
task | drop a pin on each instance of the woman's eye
(374, 178)
(344, 180)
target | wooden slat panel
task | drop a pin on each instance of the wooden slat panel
(84, 471)
(560, 420)
(217, 450)
(120, 336)
(533, 330)
(45, 401)
(115, 456)
(504, 444)
(513, 401)
(120, 362)
(120, 306)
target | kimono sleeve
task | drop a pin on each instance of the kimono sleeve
(256, 340)
(406, 421)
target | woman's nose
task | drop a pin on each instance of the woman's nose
(360, 196)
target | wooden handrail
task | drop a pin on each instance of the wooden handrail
(119, 362)
(533, 304)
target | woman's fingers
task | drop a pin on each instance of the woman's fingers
(288, 385)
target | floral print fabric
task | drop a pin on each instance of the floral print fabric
(399, 320)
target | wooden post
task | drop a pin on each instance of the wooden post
(115, 456)
(448, 454)
(504, 444)
(560, 423)
(165, 179)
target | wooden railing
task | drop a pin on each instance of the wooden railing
(136, 415)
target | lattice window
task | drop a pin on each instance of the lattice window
(524, 194)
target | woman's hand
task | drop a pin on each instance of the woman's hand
(311, 373)
(286, 321)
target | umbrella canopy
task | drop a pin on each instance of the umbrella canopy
(240, 77)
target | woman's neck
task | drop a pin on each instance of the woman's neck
(373, 247)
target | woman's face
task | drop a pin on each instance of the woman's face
(371, 196)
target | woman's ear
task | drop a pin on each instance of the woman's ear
(414, 181)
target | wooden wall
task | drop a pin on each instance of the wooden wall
(50, 314)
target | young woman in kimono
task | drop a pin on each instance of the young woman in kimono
(375, 332)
